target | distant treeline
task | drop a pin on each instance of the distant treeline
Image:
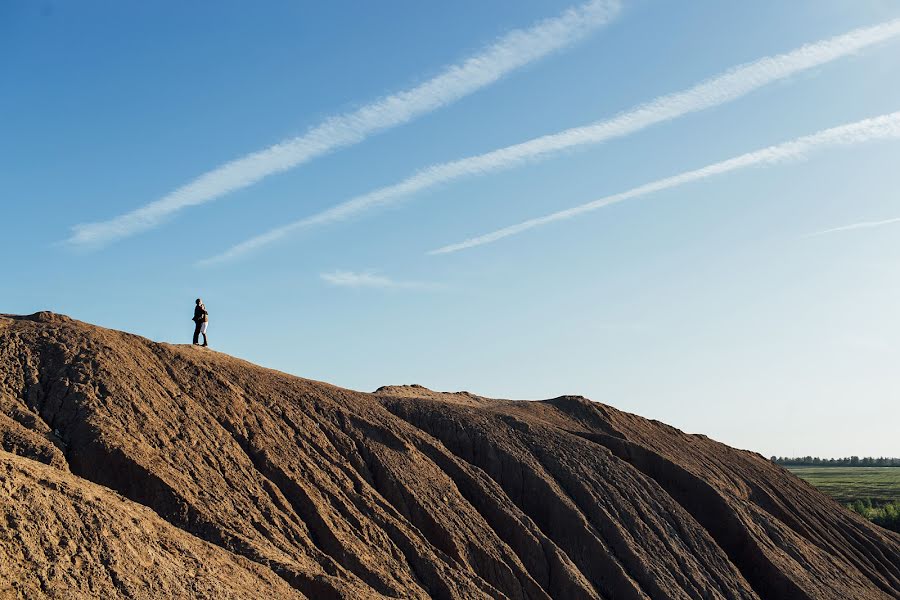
(849, 461)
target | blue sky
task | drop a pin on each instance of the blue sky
(706, 305)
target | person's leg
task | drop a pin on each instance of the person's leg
(197, 333)
(203, 332)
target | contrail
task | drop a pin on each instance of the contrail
(852, 226)
(883, 127)
(371, 280)
(512, 51)
(723, 88)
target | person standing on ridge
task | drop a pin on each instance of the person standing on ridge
(201, 320)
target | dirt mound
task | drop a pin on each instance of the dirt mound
(63, 537)
(266, 479)
(417, 391)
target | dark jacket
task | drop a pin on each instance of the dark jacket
(200, 314)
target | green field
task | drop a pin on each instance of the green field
(847, 484)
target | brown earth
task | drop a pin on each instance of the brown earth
(135, 469)
(65, 537)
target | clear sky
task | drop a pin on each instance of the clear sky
(703, 302)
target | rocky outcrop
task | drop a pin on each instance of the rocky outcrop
(271, 480)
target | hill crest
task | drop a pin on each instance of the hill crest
(297, 488)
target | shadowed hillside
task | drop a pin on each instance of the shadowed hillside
(137, 469)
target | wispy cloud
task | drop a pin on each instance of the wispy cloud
(883, 127)
(372, 280)
(852, 226)
(726, 87)
(512, 51)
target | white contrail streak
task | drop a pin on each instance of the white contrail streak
(883, 127)
(371, 280)
(728, 86)
(852, 226)
(512, 51)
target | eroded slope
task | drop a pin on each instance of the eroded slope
(411, 493)
(64, 537)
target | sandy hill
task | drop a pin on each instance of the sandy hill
(135, 469)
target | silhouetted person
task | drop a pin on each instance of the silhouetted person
(201, 320)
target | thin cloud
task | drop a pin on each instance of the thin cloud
(883, 127)
(372, 280)
(852, 226)
(726, 87)
(512, 51)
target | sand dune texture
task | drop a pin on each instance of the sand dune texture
(135, 469)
